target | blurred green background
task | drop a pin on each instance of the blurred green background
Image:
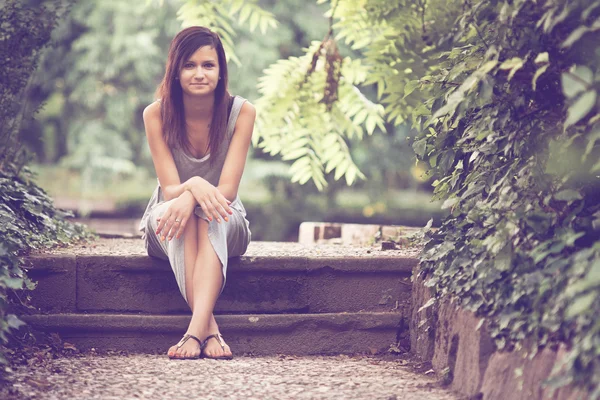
(100, 72)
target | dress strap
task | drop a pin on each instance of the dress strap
(238, 101)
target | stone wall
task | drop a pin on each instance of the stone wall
(463, 354)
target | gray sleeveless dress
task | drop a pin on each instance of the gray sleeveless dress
(229, 239)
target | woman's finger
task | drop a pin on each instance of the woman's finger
(174, 227)
(225, 204)
(212, 211)
(218, 206)
(167, 229)
(162, 221)
(205, 209)
(181, 228)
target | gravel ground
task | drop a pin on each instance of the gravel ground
(142, 376)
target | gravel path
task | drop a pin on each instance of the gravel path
(141, 376)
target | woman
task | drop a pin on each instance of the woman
(199, 136)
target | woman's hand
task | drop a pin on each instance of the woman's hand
(173, 221)
(210, 198)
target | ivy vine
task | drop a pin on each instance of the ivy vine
(513, 139)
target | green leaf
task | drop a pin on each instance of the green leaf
(542, 58)
(575, 36)
(12, 283)
(503, 259)
(591, 280)
(335, 161)
(591, 138)
(511, 63)
(576, 80)
(537, 74)
(341, 169)
(300, 164)
(370, 124)
(292, 155)
(580, 108)
(351, 175)
(488, 66)
(567, 195)
(593, 275)
(360, 117)
(244, 14)
(580, 305)
(14, 322)
(450, 202)
(254, 20)
(410, 87)
(428, 304)
(420, 147)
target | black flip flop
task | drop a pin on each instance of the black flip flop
(184, 339)
(219, 338)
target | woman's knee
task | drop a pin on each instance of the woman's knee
(191, 227)
(202, 225)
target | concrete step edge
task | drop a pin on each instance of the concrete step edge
(141, 263)
(246, 323)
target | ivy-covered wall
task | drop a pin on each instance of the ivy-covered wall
(513, 140)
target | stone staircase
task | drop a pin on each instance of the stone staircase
(280, 298)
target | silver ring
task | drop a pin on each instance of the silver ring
(177, 220)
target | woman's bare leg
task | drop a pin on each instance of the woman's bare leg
(190, 240)
(202, 290)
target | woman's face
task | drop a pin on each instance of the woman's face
(200, 73)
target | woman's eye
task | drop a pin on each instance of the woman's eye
(188, 65)
(209, 65)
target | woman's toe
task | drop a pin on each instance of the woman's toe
(227, 351)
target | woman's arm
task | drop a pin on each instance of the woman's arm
(161, 154)
(195, 190)
(235, 161)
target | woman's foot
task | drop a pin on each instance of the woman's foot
(190, 349)
(214, 349)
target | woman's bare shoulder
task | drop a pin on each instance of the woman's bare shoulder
(152, 112)
(248, 111)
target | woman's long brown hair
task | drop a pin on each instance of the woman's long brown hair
(170, 93)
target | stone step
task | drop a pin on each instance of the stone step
(256, 334)
(351, 234)
(116, 275)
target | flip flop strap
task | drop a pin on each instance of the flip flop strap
(217, 336)
(186, 337)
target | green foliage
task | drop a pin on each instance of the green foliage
(108, 78)
(28, 220)
(293, 119)
(220, 15)
(396, 40)
(25, 30)
(511, 131)
(297, 119)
